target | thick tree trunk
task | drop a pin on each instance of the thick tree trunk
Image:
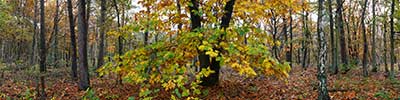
(203, 58)
(364, 62)
(205, 62)
(73, 41)
(42, 53)
(84, 81)
(342, 39)
(322, 88)
(101, 53)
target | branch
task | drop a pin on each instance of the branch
(228, 14)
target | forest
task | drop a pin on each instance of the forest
(199, 49)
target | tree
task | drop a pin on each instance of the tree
(73, 41)
(84, 81)
(35, 32)
(392, 55)
(205, 33)
(53, 43)
(334, 66)
(205, 59)
(365, 53)
(342, 39)
(373, 52)
(101, 52)
(307, 36)
(214, 64)
(385, 43)
(290, 53)
(42, 53)
(322, 88)
(120, 44)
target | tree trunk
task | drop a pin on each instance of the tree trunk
(334, 67)
(364, 62)
(205, 62)
(33, 54)
(274, 26)
(373, 52)
(73, 41)
(342, 39)
(54, 39)
(120, 45)
(290, 38)
(203, 58)
(354, 46)
(347, 23)
(392, 55)
(100, 57)
(385, 45)
(306, 41)
(42, 53)
(84, 81)
(322, 88)
(286, 37)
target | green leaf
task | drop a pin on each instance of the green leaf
(177, 93)
(145, 93)
(242, 31)
(185, 92)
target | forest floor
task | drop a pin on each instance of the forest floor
(302, 84)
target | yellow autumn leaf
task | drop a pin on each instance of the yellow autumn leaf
(201, 47)
(169, 85)
(277, 43)
(211, 53)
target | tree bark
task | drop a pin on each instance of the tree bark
(342, 39)
(322, 88)
(274, 26)
(373, 52)
(54, 40)
(385, 45)
(205, 62)
(100, 57)
(334, 68)
(42, 53)
(103, 10)
(84, 81)
(290, 38)
(392, 55)
(73, 41)
(306, 41)
(120, 44)
(33, 54)
(364, 62)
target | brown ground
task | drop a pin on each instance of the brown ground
(302, 84)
